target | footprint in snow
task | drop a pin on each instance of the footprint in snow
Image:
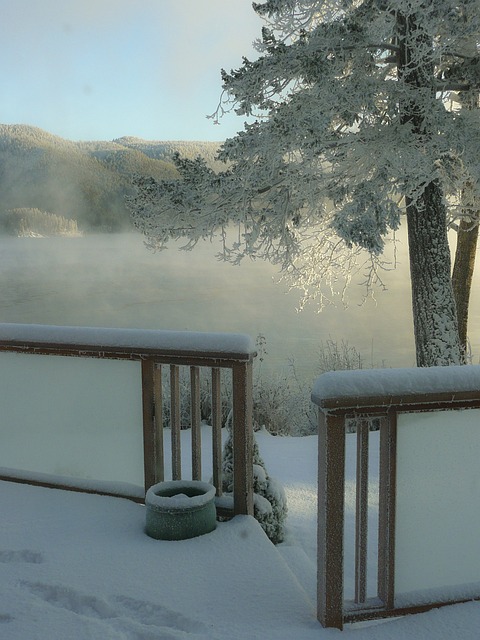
(72, 600)
(142, 620)
(152, 613)
(6, 617)
(25, 555)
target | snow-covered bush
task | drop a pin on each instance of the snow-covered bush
(270, 503)
(281, 403)
(340, 356)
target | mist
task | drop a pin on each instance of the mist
(112, 280)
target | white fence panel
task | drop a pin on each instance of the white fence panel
(74, 417)
(437, 543)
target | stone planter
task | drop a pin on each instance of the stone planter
(180, 509)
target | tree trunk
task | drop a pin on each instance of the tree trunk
(467, 236)
(433, 304)
(434, 312)
(462, 275)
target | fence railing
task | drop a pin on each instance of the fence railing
(425, 505)
(135, 397)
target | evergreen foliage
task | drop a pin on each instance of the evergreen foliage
(270, 503)
(354, 130)
(165, 150)
(24, 222)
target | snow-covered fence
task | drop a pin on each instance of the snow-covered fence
(103, 407)
(427, 519)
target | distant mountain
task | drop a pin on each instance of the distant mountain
(165, 150)
(82, 181)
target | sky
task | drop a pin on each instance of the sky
(103, 69)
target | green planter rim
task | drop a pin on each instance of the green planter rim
(179, 495)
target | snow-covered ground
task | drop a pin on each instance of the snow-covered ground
(80, 567)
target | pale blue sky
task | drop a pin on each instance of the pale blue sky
(102, 69)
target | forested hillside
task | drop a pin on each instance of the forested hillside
(33, 222)
(81, 181)
(165, 150)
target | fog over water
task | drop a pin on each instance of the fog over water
(114, 281)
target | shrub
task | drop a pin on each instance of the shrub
(282, 405)
(270, 503)
(335, 356)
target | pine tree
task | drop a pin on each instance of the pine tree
(352, 133)
(270, 503)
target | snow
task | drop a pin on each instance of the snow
(170, 495)
(259, 473)
(76, 483)
(364, 383)
(101, 337)
(263, 505)
(76, 566)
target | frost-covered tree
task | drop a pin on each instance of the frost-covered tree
(352, 132)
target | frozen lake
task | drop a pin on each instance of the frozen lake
(112, 280)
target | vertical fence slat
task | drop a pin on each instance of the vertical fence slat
(361, 512)
(196, 423)
(331, 497)
(175, 421)
(242, 439)
(158, 400)
(217, 430)
(386, 514)
(148, 409)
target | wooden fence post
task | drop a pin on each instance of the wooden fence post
(195, 415)
(242, 439)
(217, 430)
(175, 419)
(158, 399)
(148, 404)
(386, 511)
(331, 488)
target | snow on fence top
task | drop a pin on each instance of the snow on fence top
(28, 337)
(391, 386)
